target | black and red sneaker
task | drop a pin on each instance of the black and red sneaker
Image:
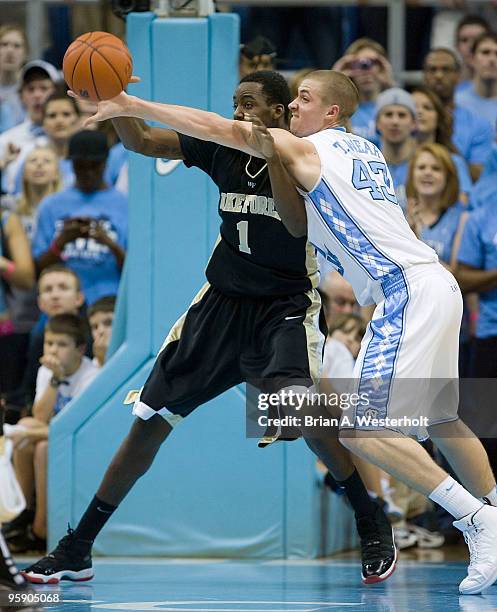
(378, 550)
(70, 560)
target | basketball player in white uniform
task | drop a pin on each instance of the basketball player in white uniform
(351, 215)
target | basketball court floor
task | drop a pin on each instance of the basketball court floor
(267, 586)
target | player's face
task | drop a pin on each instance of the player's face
(441, 74)
(60, 121)
(485, 60)
(249, 99)
(63, 347)
(12, 51)
(395, 124)
(426, 114)
(58, 294)
(308, 109)
(465, 39)
(41, 167)
(34, 95)
(429, 176)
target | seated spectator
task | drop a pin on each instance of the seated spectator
(101, 316)
(86, 225)
(40, 178)
(60, 121)
(366, 63)
(435, 125)
(472, 135)
(38, 80)
(258, 54)
(434, 210)
(13, 49)
(396, 123)
(467, 31)
(481, 96)
(16, 270)
(59, 292)
(337, 296)
(64, 373)
(342, 347)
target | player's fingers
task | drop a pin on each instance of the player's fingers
(93, 119)
(71, 93)
(134, 79)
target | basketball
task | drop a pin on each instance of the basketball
(97, 66)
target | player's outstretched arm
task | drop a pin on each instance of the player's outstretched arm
(139, 137)
(288, 202)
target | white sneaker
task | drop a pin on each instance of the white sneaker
(480, 533)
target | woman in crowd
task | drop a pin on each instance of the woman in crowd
(435, 125)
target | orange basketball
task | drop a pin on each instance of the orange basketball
(97, 66)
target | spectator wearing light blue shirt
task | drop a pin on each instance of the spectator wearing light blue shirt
(366, 63)
(467, 31)
(472, 135)
(484, 191)
(85, 226)
(481, 96)
(435, 125)
(396, 123)
(13, 48)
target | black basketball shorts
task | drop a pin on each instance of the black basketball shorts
(221, 341)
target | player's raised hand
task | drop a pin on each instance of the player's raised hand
(260, 139)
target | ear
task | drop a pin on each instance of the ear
(333, 112)
(278, 111)
(80, 300)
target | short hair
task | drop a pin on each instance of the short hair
(443, 131)
(451, 192)
(103, 304)
(482, 38)
(60, 268)
(341, 322)
(260, 45)
(60, 95)
(366, 43)
(338, 89)
(69, 324)
(472, 20)
(14, 27)
(274, 87)
(447, 51)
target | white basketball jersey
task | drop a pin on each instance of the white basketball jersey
(353, 217)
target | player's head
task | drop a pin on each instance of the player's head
(264, 94)
(484, 54)
(325, 98)
(59, 291)
(441, 71)
(467, 31)
(395, 116)
(433, 176)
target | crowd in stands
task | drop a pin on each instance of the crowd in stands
(63, 226)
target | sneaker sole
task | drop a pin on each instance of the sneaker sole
(81, 576)
(388, 573)
(480, 588)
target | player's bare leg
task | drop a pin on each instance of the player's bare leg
(408, 461)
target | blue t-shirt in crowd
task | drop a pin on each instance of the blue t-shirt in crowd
(462, 86)
(118, 155)
(440, 236)
(490, 165)
(364, 122)
(463, 173)
(484, 193)
(479, 249)
(472, 135)
(482, 107)
(399, 175)
(93, 262)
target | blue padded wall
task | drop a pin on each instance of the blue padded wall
(210, 492)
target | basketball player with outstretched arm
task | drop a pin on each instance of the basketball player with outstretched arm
(256, 319)
(349, 210)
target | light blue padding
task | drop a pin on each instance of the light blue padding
(210, 492)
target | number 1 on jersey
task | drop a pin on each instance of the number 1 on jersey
(242, 227)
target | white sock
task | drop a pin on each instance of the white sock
(455, 499)
(491, 497)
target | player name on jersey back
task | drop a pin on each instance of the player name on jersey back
(354, 219)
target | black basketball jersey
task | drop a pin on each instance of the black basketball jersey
(255, 255)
